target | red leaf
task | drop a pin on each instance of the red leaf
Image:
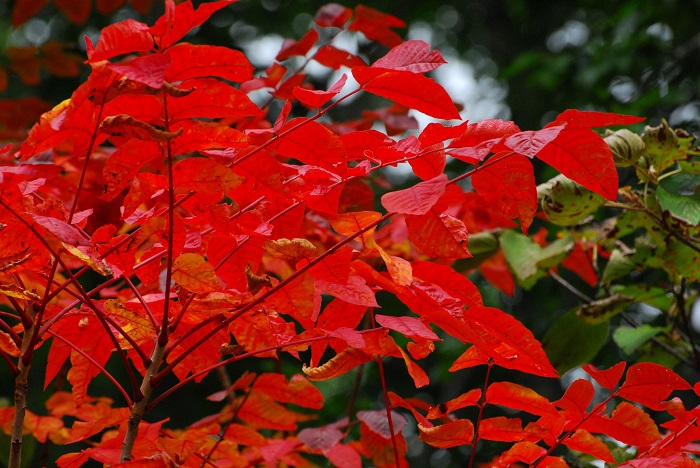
(297, 390)
(420, 378)
(507, 182)
(376, 25)
(290, 47)
(472, 357)
(498, 335)
(414, 56)
(576, 400)
(584, 157)
(453, 283)
(149, 69)
(126, 37)
(471, 398)
(324, 437)
(488, 131)
(332, 15)
(179, 20)
(628, 424)
(344, 456)
(316, 99)
(649, 384)
(312, 144)
(378, 423)
(583, 441)
(408, 89)
(580, 262)
(198, 135)
(211, 99)
(408, 326)
(438, 235)
(355, 291)
(334, 58)
(526, 452)
(416, 200)
(516, 396)
(66, 233)
(429, 165)
(530, 143)
(451, 434)
(590, 119)
(609, 378)
(502, 429)
(198, 61)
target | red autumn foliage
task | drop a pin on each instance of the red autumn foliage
(221, 230)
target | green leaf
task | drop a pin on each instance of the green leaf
(683, 260)
(528, 260)
(522, 254)
(653, 296)
(679, 195)
(630, 339)
(663, 147)
(604, 309)
(570, 342)
(482, 243)
(565, 202)
(618, 266)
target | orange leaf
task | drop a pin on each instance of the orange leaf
(627, 424)
(583, 441)
(516, 396)
(451, 434)
(526, 452)
(338, 365)
(194, 273)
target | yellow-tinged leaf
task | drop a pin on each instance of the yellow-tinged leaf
(136, 326)
(194, 273)
(13, 290)
(290, 249)
(399, 269)
(8, 346)
(127, 126)
(90, 258)
(349, 223)
(340, 364)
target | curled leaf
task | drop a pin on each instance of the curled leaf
(290, 249)
(127, 126)
(340, 364)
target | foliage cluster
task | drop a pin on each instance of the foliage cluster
(181, 215)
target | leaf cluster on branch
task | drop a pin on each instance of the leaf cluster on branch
(182, 214)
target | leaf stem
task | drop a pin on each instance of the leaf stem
(482, 405)
(94, 363)
(385, 394)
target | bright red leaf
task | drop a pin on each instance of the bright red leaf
(408, 89)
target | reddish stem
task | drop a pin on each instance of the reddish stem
(159, 376)
(238, 358)
(482, 404)
(94, 363)
(385, 393)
